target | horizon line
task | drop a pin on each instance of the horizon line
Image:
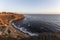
(33, 12)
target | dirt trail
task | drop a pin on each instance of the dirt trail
(5, 19)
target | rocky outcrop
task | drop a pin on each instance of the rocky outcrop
(44, 36)
(6, 29)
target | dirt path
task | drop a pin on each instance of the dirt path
(6, 19)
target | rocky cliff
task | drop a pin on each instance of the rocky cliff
(6, 29)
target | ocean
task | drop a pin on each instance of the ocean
(55, 18)
(33, 24)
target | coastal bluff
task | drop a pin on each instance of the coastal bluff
(7, 29)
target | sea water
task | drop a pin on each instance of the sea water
(51, 18)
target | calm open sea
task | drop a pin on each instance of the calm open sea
(55, 18)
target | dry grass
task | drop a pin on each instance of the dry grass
(45, 36)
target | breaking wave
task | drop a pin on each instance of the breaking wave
(24, 30)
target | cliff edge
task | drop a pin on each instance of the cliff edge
(6, 29)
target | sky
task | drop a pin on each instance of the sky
(30, 6)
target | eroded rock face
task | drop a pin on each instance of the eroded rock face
(6, 29)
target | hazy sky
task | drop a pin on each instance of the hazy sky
(30, 6)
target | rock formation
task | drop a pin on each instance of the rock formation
(6, 29)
